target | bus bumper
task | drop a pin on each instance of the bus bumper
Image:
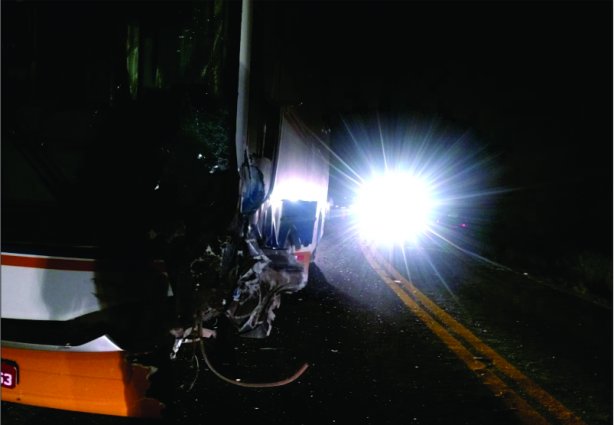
(92, 382)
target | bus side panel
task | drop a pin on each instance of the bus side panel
(302, 161)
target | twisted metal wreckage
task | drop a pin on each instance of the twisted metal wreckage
(241, 273)
(235, 278)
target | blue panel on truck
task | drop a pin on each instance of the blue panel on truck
(297, 219)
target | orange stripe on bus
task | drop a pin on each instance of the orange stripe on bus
(101, 383)
(48, 263)
(83, 265)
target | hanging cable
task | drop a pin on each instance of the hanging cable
(280, 383)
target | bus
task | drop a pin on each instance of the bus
(144, 161)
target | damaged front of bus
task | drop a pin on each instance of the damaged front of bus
(132, 199)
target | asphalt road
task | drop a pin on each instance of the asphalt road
(374, 359)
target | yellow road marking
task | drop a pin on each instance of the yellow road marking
(412, 298)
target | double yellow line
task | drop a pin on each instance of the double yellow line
(464, 344)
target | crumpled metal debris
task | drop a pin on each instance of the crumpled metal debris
(244, 284)
(259, 289)
(183, 336)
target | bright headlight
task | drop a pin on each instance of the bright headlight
(394, 207)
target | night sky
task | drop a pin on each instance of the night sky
(526, 87)
(529, 83)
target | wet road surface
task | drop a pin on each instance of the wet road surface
(373, 360)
